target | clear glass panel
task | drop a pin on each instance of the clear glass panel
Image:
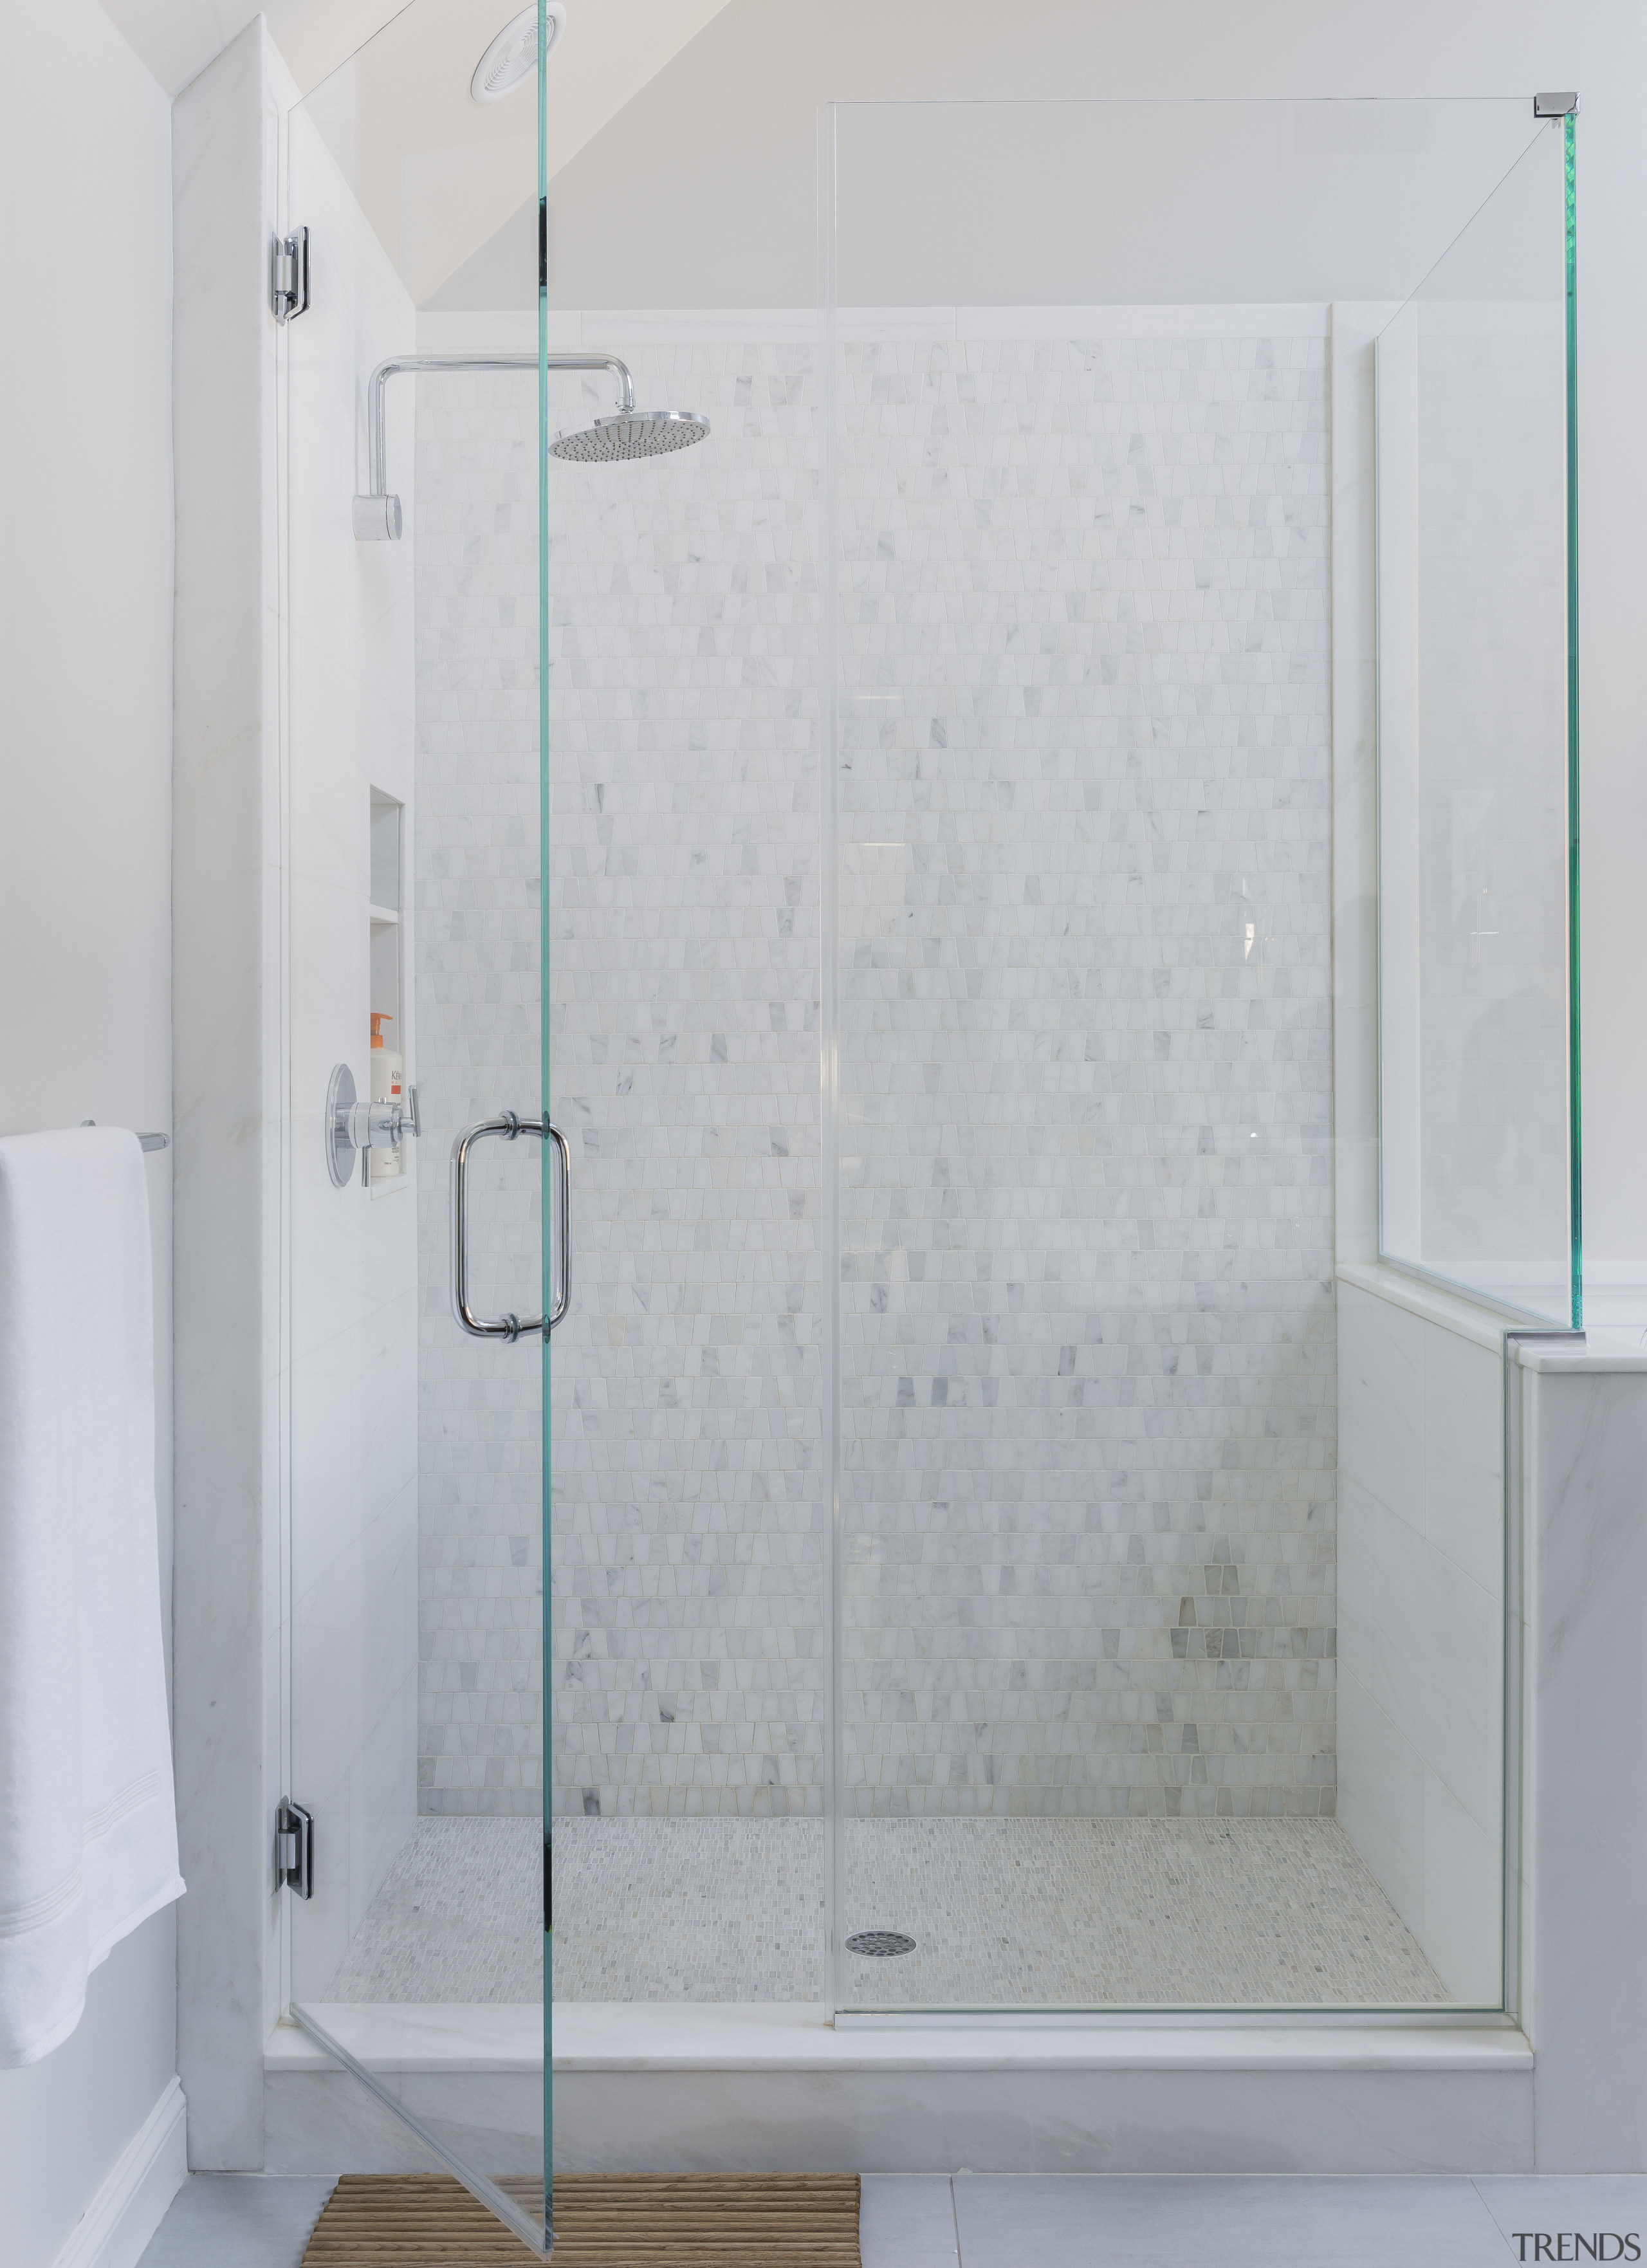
(418, 1467)
(689, 1568)
(1478, 1018)
(1161, 1616)
(548, 1292)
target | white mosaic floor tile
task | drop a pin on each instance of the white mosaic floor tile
(1037, 1912)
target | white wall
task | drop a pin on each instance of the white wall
(229, 1057)
(85, 765)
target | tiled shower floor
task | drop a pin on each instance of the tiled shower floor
(1027, 1911)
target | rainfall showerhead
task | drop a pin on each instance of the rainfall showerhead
(631, 433)
(609, 441)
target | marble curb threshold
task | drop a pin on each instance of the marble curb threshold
(612, 2037)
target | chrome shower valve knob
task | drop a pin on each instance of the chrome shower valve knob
(352, 1125)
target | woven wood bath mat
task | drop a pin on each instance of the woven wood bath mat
(601, 2220)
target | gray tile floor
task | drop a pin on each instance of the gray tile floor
(236, 2221)
(1045, 1912)
(1066, 2220)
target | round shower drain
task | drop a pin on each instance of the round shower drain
(881, 1944)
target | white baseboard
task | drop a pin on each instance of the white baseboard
(132, 2198)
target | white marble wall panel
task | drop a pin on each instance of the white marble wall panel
(348, 612)
(719, 2093)
(1421, 1573)
(1583, 1437)
(1355, 1099)
(1473, 768)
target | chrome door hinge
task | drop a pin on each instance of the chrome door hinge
(288, 285)
(294, 1849)
(1554, 105)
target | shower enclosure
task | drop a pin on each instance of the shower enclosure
(1034, 868)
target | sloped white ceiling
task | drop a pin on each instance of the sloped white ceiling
(177, 39)
(450, 169)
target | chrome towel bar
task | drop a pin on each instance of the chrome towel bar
(144, 1141)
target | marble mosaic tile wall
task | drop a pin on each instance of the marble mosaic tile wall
(475, 958)
(687, 1387)
(1087, 1353)
(1087, 1421)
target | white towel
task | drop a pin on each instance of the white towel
(88, 1823)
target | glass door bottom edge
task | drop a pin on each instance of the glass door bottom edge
(536, 2235)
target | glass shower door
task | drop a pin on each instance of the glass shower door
(419, 1166)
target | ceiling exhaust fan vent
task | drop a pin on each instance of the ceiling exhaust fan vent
(512, 57)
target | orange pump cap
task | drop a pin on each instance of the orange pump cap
(379, 1017)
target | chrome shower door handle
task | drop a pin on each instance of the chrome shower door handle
(564, 1294)
(508, 1326)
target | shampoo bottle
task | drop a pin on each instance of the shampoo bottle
(385, 1087)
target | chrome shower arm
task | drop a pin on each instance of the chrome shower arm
(396, 363)
(376, 495)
